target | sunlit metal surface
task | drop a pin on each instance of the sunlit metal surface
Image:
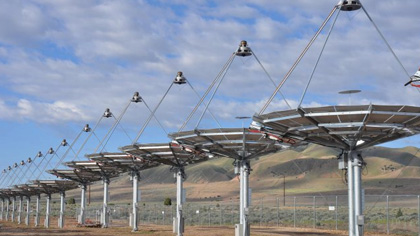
(344, 127)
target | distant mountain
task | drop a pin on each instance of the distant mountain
(308, 171)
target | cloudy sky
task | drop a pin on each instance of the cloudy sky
(63, 62)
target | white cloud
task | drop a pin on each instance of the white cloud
(66, 58)
(25, 23)
(6, 112)
(51, 113)
(63, 62)
(25, 108)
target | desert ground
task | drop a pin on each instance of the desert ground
(13, 229)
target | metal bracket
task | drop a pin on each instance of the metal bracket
(360, 220)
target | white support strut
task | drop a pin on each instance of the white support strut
(47, 212)
(7, 208)
(28, 210)
(246, 170)
(13, 208)
(350, 183)
(135, 179)
(105, 214)
(358, 211)
(20, 209)
(37, 208)
(179, 199)
(82, 215)
(2, 209)
(62, 208)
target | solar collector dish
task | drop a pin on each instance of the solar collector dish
(36, 187)
(122, 161)
(96, 168)
(77, 175)
(236, 143)
(171, 153)
(53, 186)
(344, 127)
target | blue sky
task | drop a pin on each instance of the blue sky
(63, 62)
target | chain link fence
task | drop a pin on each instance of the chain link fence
(396, 214)
(393, 214)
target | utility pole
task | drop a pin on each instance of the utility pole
(284, 185)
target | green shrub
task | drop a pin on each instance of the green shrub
(399, 213)
(71, 201)
(167, 202)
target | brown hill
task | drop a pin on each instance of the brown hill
(312, 170)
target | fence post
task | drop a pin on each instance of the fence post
(200, 220)
(387, 214)
(156, 215)
(294, 212)
(336, 212)
(231, 211)
(141, 214)
(139, 209)
(418, 213)
(209, 216)
(148, 216)
(221, 217)
(278, 211)
(187, 217)
(261, 211)
(314, 204)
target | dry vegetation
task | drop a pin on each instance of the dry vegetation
(214, 181)
(308, 172)
(13, 229)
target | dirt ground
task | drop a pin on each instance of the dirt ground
(13, 229)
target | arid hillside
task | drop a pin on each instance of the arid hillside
(307, 171)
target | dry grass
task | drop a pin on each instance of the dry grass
(13, 229)
(215, 177)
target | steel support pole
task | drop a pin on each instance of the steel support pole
(284, 190)
(47, 212)
(82, 216)
(2, 209)
(13, 208)
(387, 214)
(314, 209)
(350, 183)
(418, 214)
(28, 210)
(261, 211)
(358, 211)
(231, 212)
(336, 212)
(105, 216)
(179, 198)
(172, 214)
(278, 212)
(241, 194)
(246, 172)
(294, 212)
(20, 209)
(7, 209)
(96, 216)
(209, 215)
(62, 206)
(37, 208)
(221, 217)
(156, 215)
(135, 178)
